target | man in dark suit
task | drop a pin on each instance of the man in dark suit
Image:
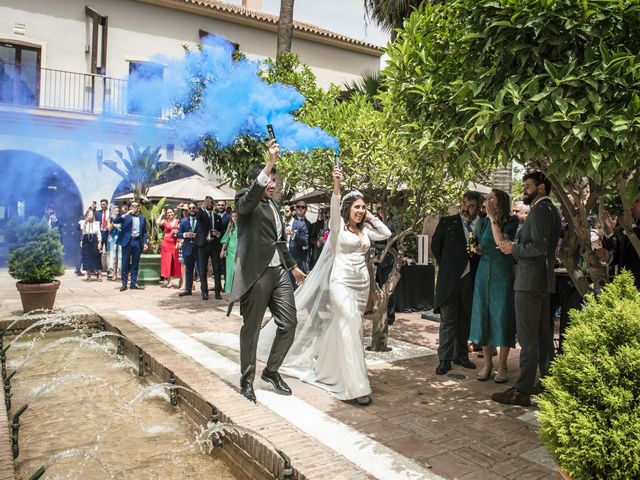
(297, 236)
(624, 255)
(261, 279)
(453, 245)
(208, 235)
(299, 218)
(534, 250)
(133, 240)
(187, 232)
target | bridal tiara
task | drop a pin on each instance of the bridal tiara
(354, 194)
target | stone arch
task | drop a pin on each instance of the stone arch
(28, 185)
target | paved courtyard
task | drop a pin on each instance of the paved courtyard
(419, 425)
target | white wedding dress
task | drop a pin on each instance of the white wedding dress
(328, 350)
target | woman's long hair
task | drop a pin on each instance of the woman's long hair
(345, 209)
(503, 206)
(232, 224)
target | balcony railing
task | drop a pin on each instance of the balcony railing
(60, 90)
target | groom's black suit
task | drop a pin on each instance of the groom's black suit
(258, 285)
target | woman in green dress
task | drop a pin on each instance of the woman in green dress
(493, 315)
(229, 245)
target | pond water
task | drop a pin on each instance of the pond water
(90, 416)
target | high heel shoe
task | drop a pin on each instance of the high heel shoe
(484, 374)
(501, 375)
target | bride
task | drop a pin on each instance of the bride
(328, 350)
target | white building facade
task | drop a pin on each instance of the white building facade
(64, 62)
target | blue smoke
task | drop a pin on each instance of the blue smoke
(235, 101)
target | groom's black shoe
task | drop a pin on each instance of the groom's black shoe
(247, 392)
(276, 380)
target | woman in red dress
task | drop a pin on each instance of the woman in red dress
(169, 263)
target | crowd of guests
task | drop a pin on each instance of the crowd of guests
(195, 238)
(497, 282)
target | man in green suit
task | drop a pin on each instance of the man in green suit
(261, 276)
(534, 251)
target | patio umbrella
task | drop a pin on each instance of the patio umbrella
(188, 188)
(313, 196)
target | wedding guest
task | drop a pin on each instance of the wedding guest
(91, 245)
(229, 246)
(114, 251)
(169, 263)
(493, 322)
(454, 246)
(534, 250)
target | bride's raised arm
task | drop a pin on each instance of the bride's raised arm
(335, 221)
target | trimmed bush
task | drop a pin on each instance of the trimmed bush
(590, 410)
(35, 254)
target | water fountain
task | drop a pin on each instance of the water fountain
(91, 451)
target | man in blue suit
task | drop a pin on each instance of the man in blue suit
(187, 232)
(133, 240)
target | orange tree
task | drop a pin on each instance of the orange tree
(553, 84)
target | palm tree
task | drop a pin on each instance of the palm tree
(285, 27)
(389, 14)
(141, 169)
(370, 84)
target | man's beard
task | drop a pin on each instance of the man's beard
(529, 198)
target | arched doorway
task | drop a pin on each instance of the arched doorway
(29, 184)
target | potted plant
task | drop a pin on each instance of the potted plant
(590, 409)
(35, 259)
(149, 267)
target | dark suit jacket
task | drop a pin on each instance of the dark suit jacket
(624, 254)
(449, 247)
(299, 244)
(225, 219)
(257, 239)
(204, 227)
(188, 245)
(534, 249)
(124, 238)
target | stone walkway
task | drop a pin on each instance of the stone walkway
(431, 426)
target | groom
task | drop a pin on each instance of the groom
(261, 279)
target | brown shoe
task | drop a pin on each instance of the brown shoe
(512, 396)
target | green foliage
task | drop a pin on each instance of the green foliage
(35, 254)
(589, 412)
(141, 169)
(553, 84)
(151, 213)
(498, 80)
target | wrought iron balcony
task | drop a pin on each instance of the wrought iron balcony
(67, 91)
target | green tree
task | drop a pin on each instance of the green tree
(550, 84)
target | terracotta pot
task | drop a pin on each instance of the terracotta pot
(38, 295)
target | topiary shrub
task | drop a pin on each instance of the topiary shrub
(590, 409)
(35, 254)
